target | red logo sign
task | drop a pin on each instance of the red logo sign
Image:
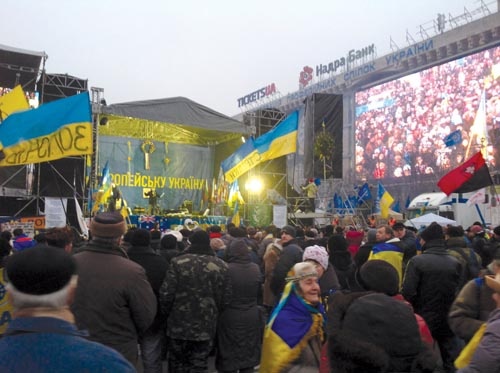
(306, 76)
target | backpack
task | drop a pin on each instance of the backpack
(473, 267)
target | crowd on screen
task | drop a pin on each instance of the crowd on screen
(403, 135)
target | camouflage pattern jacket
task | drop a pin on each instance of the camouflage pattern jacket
(195, 290)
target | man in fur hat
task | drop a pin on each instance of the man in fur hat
(114, 301)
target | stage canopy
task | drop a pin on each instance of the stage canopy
(19, 66)
(176, 120)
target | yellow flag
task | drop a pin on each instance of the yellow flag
(13, 101)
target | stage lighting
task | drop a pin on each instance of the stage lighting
(254, 185)
(243, 140)
(103, 121)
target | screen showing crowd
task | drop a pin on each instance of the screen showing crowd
(401, 125)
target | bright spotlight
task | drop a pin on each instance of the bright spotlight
(254, 185)
(243, 140)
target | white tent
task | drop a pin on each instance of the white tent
(427, 219)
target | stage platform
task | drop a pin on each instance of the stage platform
(310, 218)
(309, 215)
(171, 222)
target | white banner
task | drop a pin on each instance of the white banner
(55, 212)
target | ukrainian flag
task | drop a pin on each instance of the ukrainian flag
(385, 200)
(281, 140)
(292, 324)
(244, 159)
(55, 130)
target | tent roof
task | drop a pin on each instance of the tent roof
(429, 218)
(176, 119)
(14, 61)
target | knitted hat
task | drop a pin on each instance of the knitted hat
(169, 242)
(200, 237)
(432, 232)
(302, 270)
(288, 229)
(108, 225)
(476, 229)
(380, 276)
(141, 237)
(316, 253)
(217, 244)
(178, 235)
(40, 271)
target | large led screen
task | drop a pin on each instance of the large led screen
(401, 125)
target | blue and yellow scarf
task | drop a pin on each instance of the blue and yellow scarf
(292, 324)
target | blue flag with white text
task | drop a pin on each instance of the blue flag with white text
(453, 138)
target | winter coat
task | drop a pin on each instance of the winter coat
(363, 253)
(344, 268)
(471, 308)
(481, 246)
(410, 242)
(271, 257)
(486, 358)
(468, 258)
(195, 291)
(291, 255)
(241, 324)
(156, 269)
(114, 300)
(430, 285)
(168, 254)
(328, 283)
(49, 344)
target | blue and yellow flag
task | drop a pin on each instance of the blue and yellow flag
(384, 201)
(100, 197)
(244, 159)
(13, 101)
(55, 130)
(280, 141)
(291, 325)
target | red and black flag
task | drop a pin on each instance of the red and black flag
(469, 176)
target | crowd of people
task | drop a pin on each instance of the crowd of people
(290, 299)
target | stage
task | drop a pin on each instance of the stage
(173, 221)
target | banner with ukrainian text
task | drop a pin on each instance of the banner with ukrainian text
(242, 160)
(55, 130)
(178, 172)
(280, 141)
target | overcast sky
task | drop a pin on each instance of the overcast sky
(212, 52)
